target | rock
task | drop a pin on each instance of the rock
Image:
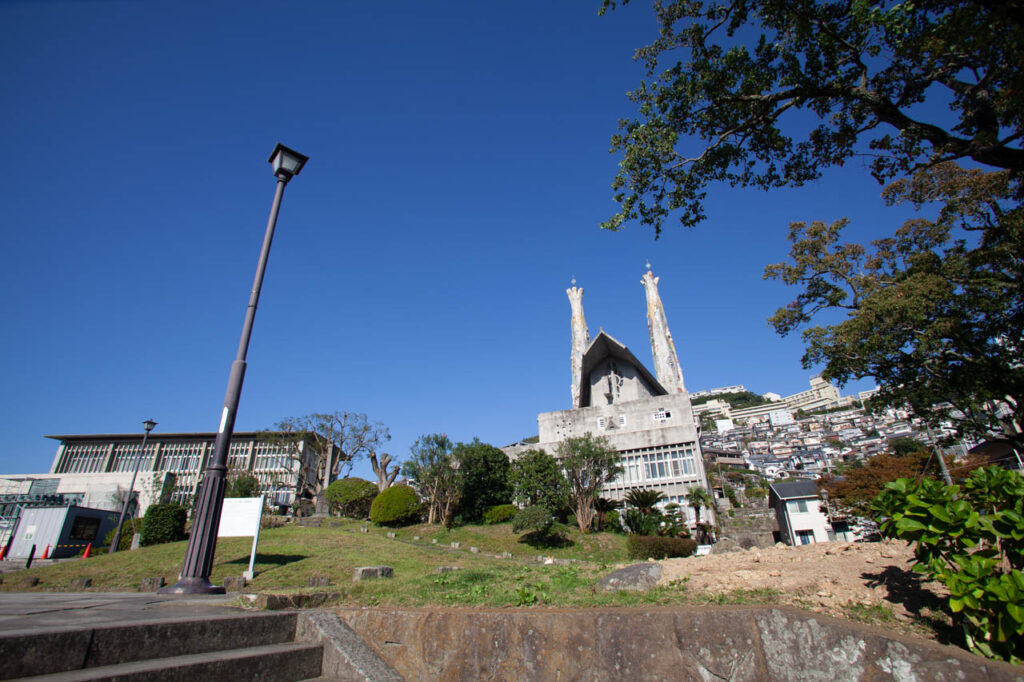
(456, 545)
(725, 546)
(392, 534)
(433, 541)
(446, 569)
(415, 537)
(79, 584)
(869, 560)
(364, 529)
(152, 584)
(474, 550)
(319, 581)
(234, 583)
(774, 574)
(373, 572)
(635, 578)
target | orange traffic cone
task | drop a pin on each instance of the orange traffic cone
(85, 554)
(46, 553)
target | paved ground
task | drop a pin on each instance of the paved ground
(20, 611)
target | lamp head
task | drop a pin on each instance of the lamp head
(148, 425)
(286, 162)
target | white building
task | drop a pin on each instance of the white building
(798, 510)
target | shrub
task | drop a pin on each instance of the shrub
(501, 513)
(163, 523)
(971, 539)
(397, 506)
(534, 518)
(659, 547)
(352, 497)
(127, 533)
(242, 484)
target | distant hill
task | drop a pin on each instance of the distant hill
(737, 400)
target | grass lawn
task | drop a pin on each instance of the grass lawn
(287, 557)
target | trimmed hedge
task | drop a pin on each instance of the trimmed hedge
(127, 533)
(658, 547)
(352, 497)
(163, 523)
(398, 505)
(500, 513)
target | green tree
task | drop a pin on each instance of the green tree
(337, 439)
(352, 497)
(483, 472)
(589, 462)
(603, 506)
(699, 498)
(397, 505)
(854, 488)
(731, 85)
(933, 314)
(537, 479)
(242, 484)
(434, 471)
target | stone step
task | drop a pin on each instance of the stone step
(289, 662)
(52, 650)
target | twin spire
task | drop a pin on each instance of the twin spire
(663, 349)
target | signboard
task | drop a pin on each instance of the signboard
(240, 517)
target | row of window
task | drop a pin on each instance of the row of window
(176, 457)
(658, 463)
(661, 416)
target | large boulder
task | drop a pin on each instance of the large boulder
(635, 578)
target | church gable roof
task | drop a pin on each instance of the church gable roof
(604, 346)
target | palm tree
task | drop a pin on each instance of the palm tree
(602, 506)
(644, 499)
(699, 499)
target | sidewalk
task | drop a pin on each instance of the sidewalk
(21, 611)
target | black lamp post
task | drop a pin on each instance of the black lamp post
(195, 574)
(148, 425)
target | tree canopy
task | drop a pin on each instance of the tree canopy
(483, 472)
(435, 474)
(589, 462)
(934, 314)
(537, 479)
(732, 84)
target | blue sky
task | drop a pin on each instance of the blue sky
(459, 170)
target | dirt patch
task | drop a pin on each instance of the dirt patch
(870, 581)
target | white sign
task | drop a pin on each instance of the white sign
(240, 517)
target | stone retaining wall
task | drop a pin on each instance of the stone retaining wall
(699, 643)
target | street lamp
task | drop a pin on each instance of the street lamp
(148, 425)
(195, 574)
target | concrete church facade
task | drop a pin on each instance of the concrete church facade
(647, 418)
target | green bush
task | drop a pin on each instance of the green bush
(501, 513)
(242, 484)
(535, 518)
(352, 497)
(970, 538)
(163, 523)
(398, 505)
(127, 533)
(659, 547)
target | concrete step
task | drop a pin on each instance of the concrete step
(38, 652)
(289, 662)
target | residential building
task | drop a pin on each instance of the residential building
(798, 511)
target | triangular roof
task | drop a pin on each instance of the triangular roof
(602, 347)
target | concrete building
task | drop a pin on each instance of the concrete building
(648, 419)
(90, 470)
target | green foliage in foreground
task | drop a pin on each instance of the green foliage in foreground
(971, 539)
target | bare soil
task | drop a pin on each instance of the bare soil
(870, 581)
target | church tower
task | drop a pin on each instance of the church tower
(666, 363)
(580, 340)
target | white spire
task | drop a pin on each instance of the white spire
(580, 339)
(666, 363)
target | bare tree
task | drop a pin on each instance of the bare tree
(385, 476)
(337, 439)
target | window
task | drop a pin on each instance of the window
(798, 506)
(622, 420)
(662, 416)
(804, 537)
(602, 422)
(85, 528)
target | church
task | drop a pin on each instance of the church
(646, 417)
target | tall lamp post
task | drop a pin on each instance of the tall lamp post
(195, 574)
(148, 425)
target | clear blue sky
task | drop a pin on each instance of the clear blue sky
(459, 170)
